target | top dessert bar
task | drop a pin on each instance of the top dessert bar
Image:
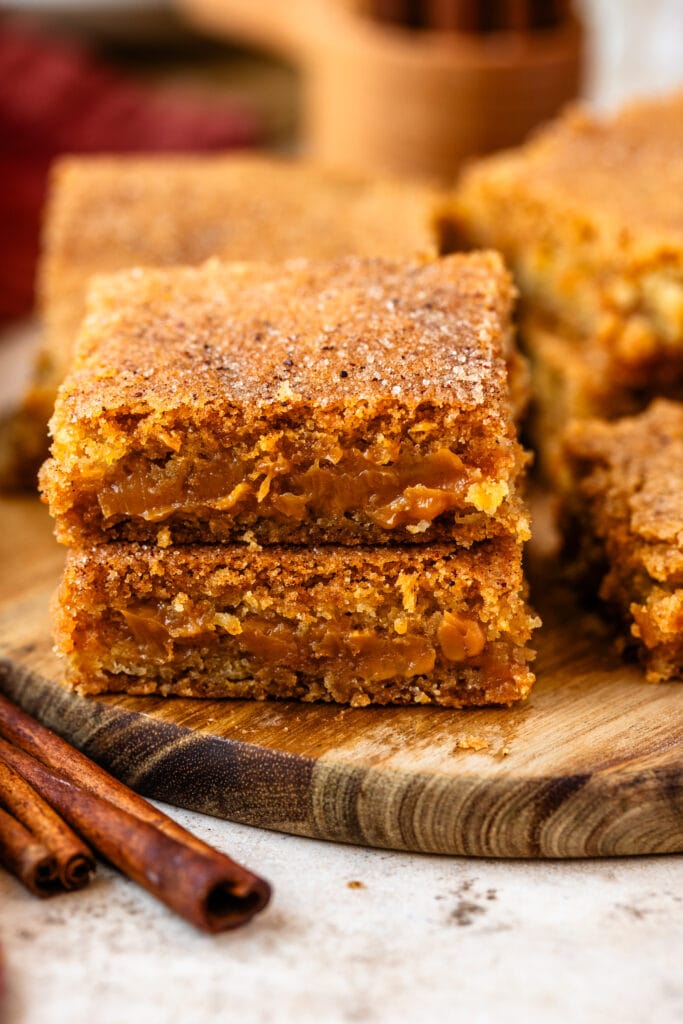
(110, 213)
(624, 518)
(358, 401)
(589, 215)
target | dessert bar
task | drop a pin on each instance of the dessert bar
(624, 519)
(111, 213)
(360, 401)
(586, 217)
(353, 625)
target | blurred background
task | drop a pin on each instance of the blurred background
(397, 86)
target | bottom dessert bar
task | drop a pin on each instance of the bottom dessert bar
(623, 518)
(357, 626)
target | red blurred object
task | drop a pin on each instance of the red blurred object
(56, 98)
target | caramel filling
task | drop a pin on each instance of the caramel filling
(459, 637)
(411, 491)
(348, 652)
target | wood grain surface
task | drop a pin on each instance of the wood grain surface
(591, 765)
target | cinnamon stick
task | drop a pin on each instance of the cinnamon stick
(74, 861)
(22, 730)
(471, 16)
(199, 882)
(25, 857)
(206, 889)
(455, 15)
(400, 12)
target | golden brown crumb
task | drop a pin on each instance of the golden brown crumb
(469, 742)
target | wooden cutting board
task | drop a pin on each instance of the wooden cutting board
(591, 765)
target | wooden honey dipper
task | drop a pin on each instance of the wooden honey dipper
(413, 86)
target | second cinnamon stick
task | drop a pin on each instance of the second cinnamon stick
(46, 746)
(27, 858)
(75, 863)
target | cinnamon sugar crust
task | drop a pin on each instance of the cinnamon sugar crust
(624, 516)
(352, 625)
(358, 401)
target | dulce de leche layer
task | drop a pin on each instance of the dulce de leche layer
(358, 401)
(355, 625)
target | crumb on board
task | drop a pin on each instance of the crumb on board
(471, 742)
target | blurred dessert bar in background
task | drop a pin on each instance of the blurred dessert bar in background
(571, 379)
(584, 215)
(588, 216)
(110, 213)
(623, 512)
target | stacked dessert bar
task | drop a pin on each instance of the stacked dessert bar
(109, 213)
(590, 217)
(294, 480)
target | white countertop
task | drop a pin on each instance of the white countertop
(425, 939)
